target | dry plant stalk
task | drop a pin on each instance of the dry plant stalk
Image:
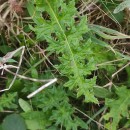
(5, 67)
(9, 16)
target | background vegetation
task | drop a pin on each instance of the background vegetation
(82, 43)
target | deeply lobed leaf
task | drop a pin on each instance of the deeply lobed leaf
(118, 107)
(64, 36)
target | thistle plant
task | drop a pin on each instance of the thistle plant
(63, 29)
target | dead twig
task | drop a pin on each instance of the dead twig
(5, 67)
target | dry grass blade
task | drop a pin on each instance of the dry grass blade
(19, 64)
(3, 66)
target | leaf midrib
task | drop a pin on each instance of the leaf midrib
(66, 41)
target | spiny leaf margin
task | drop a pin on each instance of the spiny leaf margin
(64, 36)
